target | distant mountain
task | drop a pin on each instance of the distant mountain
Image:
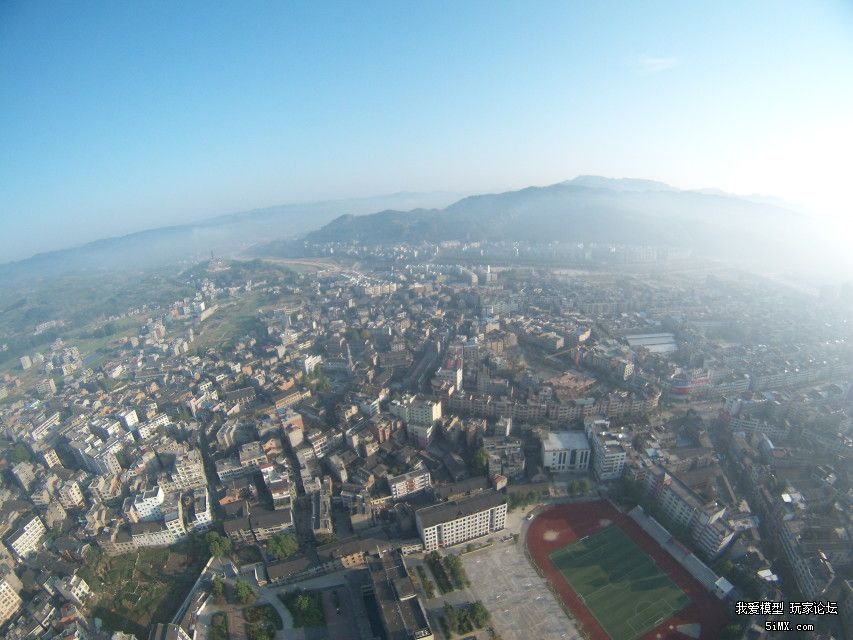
(599, 210)
(224, 235)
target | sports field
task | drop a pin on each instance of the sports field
(619, 583)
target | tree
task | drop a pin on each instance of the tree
(218, 588)
(574, 487)
(243, 592)
(479, 614)
(283, 545)
(217, 545)
(481, 462)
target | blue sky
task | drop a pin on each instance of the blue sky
(120, 116)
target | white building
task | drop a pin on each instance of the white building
(609, 451)
(74, 588)
(26, 540)
(420, 416)
(189, 471)
(148, 504)
(450, 523)
(70, 496)
(564, 451)
(409, 483)
(10, 601)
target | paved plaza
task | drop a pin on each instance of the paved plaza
(520, 602)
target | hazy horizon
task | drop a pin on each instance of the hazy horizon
(142, 116)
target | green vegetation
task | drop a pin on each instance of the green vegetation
(218, 627)
(243, 592)
(578, 487)
(248, 554)
(464, 619)
(429, 585)
(135, 590)
(283, 545)
(621, 586)
(480, 462)
(217, 545)
(456, 571)
(262, 622)
(516, 500)
(218, 589)
(20, 453)
(436, 567)
(305, 607)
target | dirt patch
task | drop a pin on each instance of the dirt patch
(550, 535)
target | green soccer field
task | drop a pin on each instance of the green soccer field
(621, 586)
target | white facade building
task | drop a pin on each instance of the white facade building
(450, 523)
(564, 451)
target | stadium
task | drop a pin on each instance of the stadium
(616, 580)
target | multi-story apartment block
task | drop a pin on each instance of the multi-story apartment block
(74, 588)
(26, 539)
(409, 483)
(609, 452)
(506, 457)
(147, 505)
(24, 473)
(189, 471)
(682, 506)
(450, 523)
(565, 451)
(202, 518)
(96, 456)
(70, 496)
(10, 601)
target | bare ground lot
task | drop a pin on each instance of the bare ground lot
(520, 602)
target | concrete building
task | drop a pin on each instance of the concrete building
(74, 589)
(450, 523)
(10, 601)
(409, 483)
(565, 451)
(26, 540)
(189, 471)
(609, 451)
(403, 616)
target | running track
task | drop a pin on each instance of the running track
(574, 521)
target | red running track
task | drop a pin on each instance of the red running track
(570, 522)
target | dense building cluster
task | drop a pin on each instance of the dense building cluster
(399, 408)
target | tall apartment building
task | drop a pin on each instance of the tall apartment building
(565, 451)
(70, 496)
(409, 483)
(96, 456)
(420, 415)
(609, 452)
(10, 586)
(189, 471)
(450, 523)
(681, 505)
(26, 539)
(147, 505)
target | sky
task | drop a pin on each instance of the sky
(122, 116)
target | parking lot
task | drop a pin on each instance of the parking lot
(521, 605)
